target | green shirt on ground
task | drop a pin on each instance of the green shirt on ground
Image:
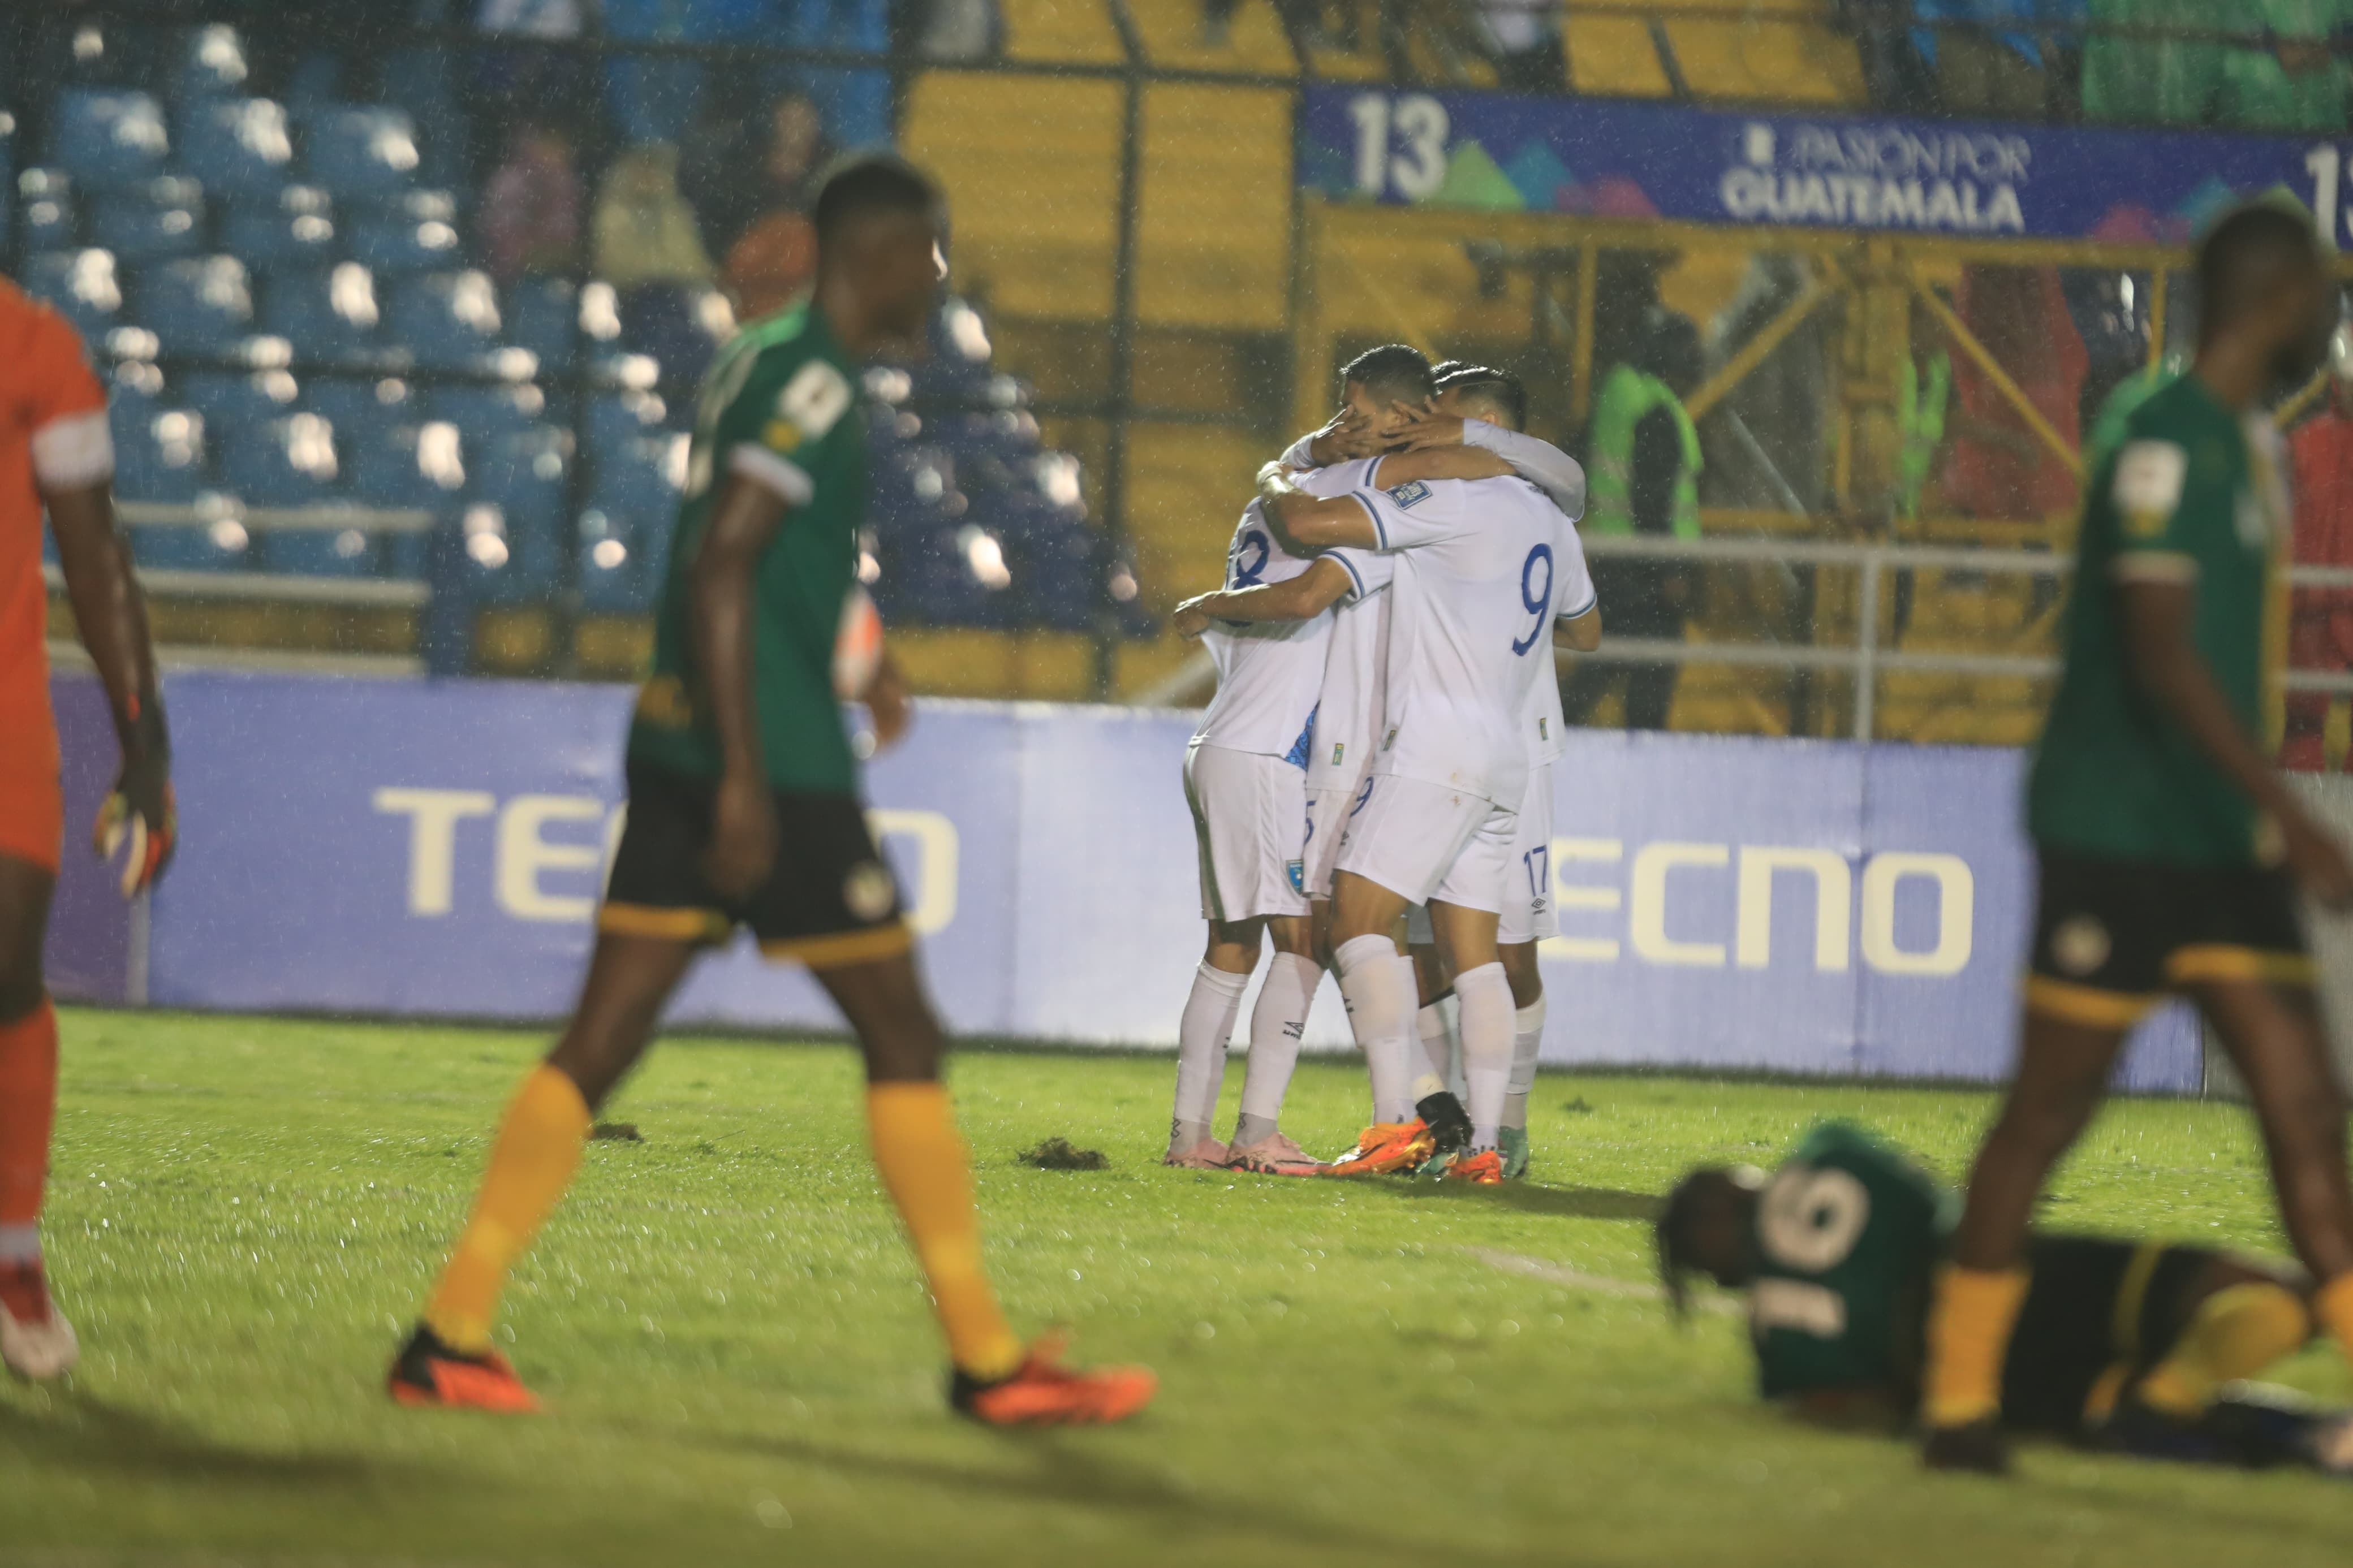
(780, 407)
(2193, 495)
(1848, 1233)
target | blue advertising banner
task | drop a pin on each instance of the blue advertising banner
(412, 848)
(1618, 158)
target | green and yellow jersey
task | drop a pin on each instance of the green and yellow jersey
(1847, 1236)
(780, 407)
(2194, 494)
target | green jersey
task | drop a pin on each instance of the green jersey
(2193, 495)
(779, 407)
(1848, 1233)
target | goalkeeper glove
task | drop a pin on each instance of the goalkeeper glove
(138, 819)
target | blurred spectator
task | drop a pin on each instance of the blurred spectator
(953, 30)
(2320, 623)
(530, 219)
(542, 83)
(2167, 81)
(1999, 468)
(1922, 399)
(738, 168)
(1766, 450)
(1524, 36)
(2288, 79)
(1893, 72)
(645, 231)
(1984, 68)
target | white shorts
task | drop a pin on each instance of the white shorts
(1528, 914)
(1249, 820)
(1425, 841)
(1327, 821)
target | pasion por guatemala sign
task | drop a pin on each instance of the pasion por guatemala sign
(1640, 159)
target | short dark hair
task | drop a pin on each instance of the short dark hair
(1670, 351)
(2245, 255)
(1446, 368)
(866, 183)
(1499, 389)
(1394, 371)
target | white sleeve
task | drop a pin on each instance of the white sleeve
(1297, 455)
(1576, 594)
(73, 453)
(1369, 572)
(1553, 471)
(1416, 513)
(764, 467)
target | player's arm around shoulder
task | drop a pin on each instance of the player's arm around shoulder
(1296, 598)
(1305, 523)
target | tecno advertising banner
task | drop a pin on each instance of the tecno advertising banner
(412, 848)
(1633, 159)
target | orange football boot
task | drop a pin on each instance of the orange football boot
(428, 1370)
(1042, 1392)
(1483, 1169)
(1385, 1147)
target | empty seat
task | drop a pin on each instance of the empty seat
(237, 146)
(229, 400)
(608, 570)
(44, 210)
(81, 285)
(544, 315)
(197, 305)
(485, 411)
(407, 463)
(212, 63)
(218, 543)
(7, 178)
(359, 408)
(154, 221)
(524, 475)
(291, 229)
(159, 453)
(447, 321)
(359, 153)
(329, 315)
(108, 137)
(418, 233)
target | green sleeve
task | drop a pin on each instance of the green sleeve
(784, 427)
(2171, 489)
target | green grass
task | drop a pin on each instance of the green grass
(740, 1367)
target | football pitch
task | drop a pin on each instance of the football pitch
(739, 1365)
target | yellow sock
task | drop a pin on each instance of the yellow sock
(1968, 1333)
(2333, 1307)
(923, 1165)
(532, 1162)
(2235, 1333)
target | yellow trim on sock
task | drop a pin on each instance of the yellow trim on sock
(678, 924)
(2221, 961)
(2086, 1004)
(2332, 1304)
(2235, 1333)
(2132, 1294)
(1969, 1325)
(924, 1167)
(531, 1162)
(833, 951)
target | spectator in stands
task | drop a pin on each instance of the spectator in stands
(1983, 68)
(1524, 37)
(1922, 399)
(2320, 623)
(646, 234)
(2288, 77)
(2158, 81)
(529, 218)
(741, 164)
(1999, 465)
(1642, 465)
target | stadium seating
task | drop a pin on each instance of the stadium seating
(358, 151)
(291, 229)
(156, 220)
(44, 210)
(108, 137)
(239, 147)
(198, 305)
(82, 286)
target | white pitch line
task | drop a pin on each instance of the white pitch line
(1598, 1284)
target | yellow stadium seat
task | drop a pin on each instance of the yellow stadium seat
(1172, 35)
(1614, 55)
(1789, 57)
(1060, 31)
(1185, 486)
(1215, 227)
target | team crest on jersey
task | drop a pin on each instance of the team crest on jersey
(867, 892)
(1544, 728)
(2081, 944)
(1297, 871)
(1388, 741)
(1413, 492)
(1339, 748)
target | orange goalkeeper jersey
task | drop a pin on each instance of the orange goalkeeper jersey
(45, 382)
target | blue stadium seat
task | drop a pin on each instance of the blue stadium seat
(197, 305)
(523, 474)
(212, 63)
(418, 233)
(222, 544)
(611, 576)
(159, 453)
(157, 221)
(419, 79)
(407, 463)
(291, 463)
(617, 418)
(316, 82)
(446, 321)
(104, 138)
(229, 401)
(81, 284)
(330, 316)
(359, 153)
(134, 391)
(7, 178)
(543, 316)
(237, 146)
(292, 231)
(360, 407)
(44, 210)
(482, 411)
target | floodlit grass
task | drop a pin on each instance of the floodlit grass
(740, 1367)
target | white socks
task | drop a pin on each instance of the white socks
(1201, 1036)
(1376, 982)
(1486, 999)
(1277, 1022)
(1528, 1041)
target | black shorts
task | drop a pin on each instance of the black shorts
(829, 900)
(2097, 1315)
(2111, 937)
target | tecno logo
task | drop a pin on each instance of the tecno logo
(1657, 894)
(546, 856)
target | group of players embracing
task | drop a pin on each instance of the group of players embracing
(1377, 765)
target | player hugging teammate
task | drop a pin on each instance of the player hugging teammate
(1381, 739)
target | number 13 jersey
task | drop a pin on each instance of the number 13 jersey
(1482, 569)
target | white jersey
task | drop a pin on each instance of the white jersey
(1269, 673)
(1348, 714)
(1482, 567)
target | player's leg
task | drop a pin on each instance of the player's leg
(2226, 1319)
(2062, 1074)
(1520, 971)
(1528, 919)
(1466, 938)
(1377, 984)
(449, 1359)
(1432, 987)
(1204, 1031)
(928, 1173)
(36, 1339)
(1278, 1023)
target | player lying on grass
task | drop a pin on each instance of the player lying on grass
(1473, 565)
(2128, 1345)
(745, 813)
(2168, 853)
(56, 454)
